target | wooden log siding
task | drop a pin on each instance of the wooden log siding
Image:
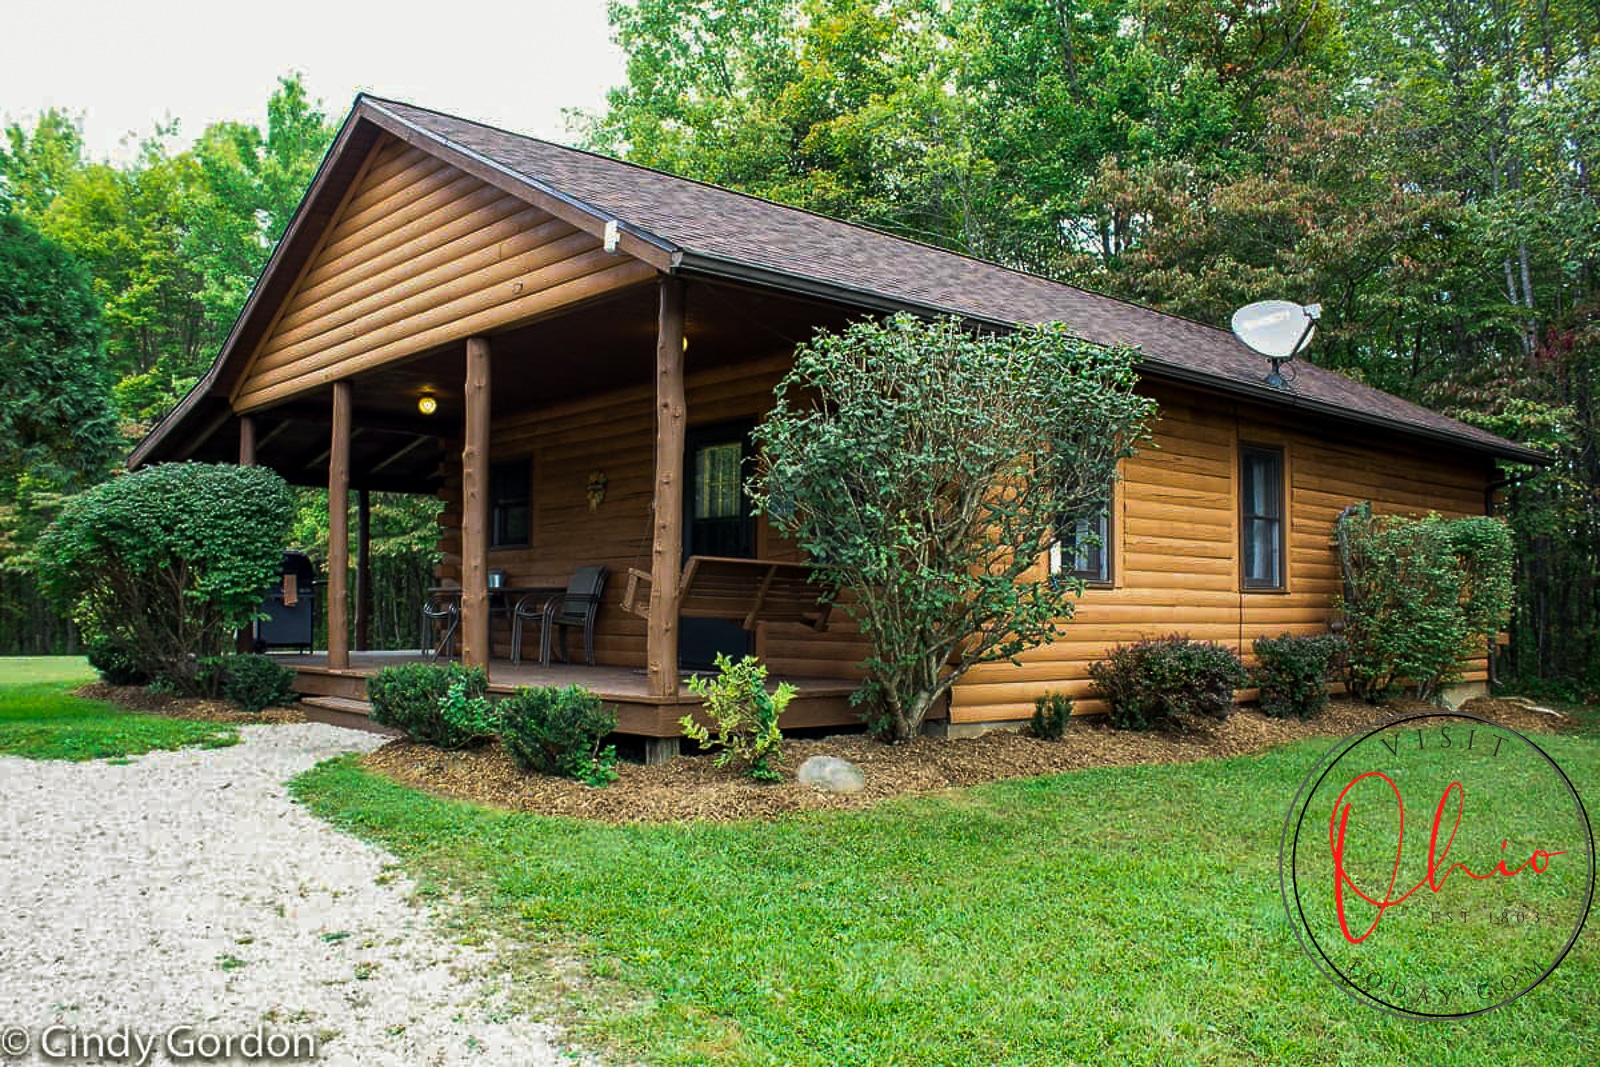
(615, 433)
(1176, 554)
(419, 255)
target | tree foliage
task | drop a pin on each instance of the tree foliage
(172, 240)
(924, 469)
(167, 563)
(56, 424)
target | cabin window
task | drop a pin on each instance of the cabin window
(510, 504)
(1083, 548)
(1261, 516)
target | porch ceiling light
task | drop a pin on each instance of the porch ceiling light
(427, 404)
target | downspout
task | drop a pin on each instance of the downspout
(1344, 557)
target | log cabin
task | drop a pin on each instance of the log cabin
(571, 351)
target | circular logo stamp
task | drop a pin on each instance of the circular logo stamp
(1437, 865)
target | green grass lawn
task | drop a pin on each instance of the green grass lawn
(41, 719)
(1126, 915)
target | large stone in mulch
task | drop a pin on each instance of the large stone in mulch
(832, 775)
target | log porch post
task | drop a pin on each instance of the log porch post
(363, 569)
(339, 529)
(247, 440)
(666, 553)
(475, 509)
(244, 639)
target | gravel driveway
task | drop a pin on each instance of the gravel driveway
(186, 890)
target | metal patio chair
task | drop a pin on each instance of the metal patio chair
(578, 606)
(441, 618)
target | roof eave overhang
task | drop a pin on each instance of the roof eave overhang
(1154, 367)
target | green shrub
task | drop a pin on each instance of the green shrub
(745, 714)
(435, 704)
(1292, 672)
(1419, 593)
(114, 662)
(168, 562)
(1151, 681)
(558, 731)
(1051, 713)
(251, 681)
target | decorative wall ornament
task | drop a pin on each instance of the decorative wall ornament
(597, 489)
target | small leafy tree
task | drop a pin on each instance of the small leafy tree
(1417, 592)
(167, 563)
(924, 468)
(745, 714)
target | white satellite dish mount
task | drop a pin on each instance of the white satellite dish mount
(1277, 329)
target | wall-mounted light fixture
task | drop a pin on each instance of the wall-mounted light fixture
(427, 404)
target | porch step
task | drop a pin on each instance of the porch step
(343, 711)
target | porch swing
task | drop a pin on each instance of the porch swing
(745, 591)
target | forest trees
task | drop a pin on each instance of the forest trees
(172, 241)
(57, 431)
(1425, 170)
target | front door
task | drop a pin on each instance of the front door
(717, 522)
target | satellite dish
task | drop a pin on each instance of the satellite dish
(1278, 329)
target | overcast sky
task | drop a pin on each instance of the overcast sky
(124, 65)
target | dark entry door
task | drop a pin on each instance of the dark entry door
(717, 522)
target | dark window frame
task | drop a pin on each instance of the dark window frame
(1277, 521)
(504, 476)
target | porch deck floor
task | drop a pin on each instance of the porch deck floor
(612, 683)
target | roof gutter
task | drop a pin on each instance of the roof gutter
(734, 270)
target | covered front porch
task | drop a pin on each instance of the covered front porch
(574, 395)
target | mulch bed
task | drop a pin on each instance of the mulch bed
(195, 709)
(689, 788)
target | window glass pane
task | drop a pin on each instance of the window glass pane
(1261, 507)
(510, 503)
(717, 472)
(1082, 547)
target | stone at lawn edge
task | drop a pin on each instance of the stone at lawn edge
(832, 775)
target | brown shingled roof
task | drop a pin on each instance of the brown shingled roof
(693, 228)
(713, 230)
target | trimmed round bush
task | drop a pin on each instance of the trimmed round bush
(558, 731)
(115, 664)
(435, 704)
(1292, 672)
(1152, 681)
(252, 681)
